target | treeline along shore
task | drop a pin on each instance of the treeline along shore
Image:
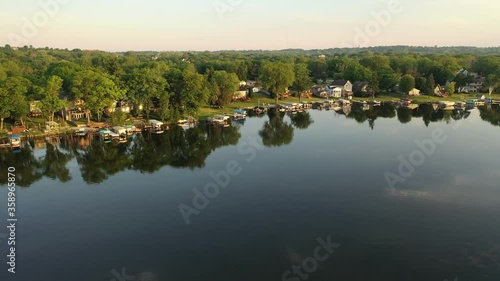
(42, 88)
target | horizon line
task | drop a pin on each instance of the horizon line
(259, 50)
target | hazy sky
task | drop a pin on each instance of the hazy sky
(247, 24)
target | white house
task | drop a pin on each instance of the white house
(344, 85)
(334, 91)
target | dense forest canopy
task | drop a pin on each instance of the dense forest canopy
(179, 83)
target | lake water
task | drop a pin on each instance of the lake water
(97, 212)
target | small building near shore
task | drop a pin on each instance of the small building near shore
(414, 92)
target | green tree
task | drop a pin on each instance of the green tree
(51, 101)
(420, 83)
(97, 90)
(357, 72)
(492, 82)
(450, 88)
(388, 79)
(13, 102)
(277, 77)
(302, 78)
(194, 92)
(224, 85)
(164, 107)
(6, 106)
(143, 86)
(407, 83)
(118, 117)
(430, 85)
(374, 84)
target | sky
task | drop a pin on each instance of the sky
(199, 25)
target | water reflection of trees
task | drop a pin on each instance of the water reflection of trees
(53, 165)
(180, 148)
(27, 166)
(276, 131)
(490, 113)
(428, 112)
(302, 120)
(147, 153)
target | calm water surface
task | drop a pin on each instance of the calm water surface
(89, 209)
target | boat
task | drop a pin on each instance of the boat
(344, 102)
(328, 102)
(121, 132)
(105, 135)
(15, 141)
(472, 102)
(156, 126)
(336, 107)
(239, 115)
(460, 105)
(447, 105)
(260, 109)
(81, 132)
(219, 120)
(306, 105)
(375, 103)
(130, 130)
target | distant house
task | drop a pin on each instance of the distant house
(241, 93)
(475, 86)
(334, 91)
(319, 91)
(123, 106)
(414, 92)
(344, 85)
(243, 83)
(361, 87)
(439, 91)
(74, 111)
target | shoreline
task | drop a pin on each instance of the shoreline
(71, 131)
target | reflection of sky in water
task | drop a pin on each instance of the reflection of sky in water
(440, 223)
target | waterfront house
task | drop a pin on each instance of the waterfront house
(334, 91)
(74, 111)
(344, 85)
(240, 93)
(319, 91)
